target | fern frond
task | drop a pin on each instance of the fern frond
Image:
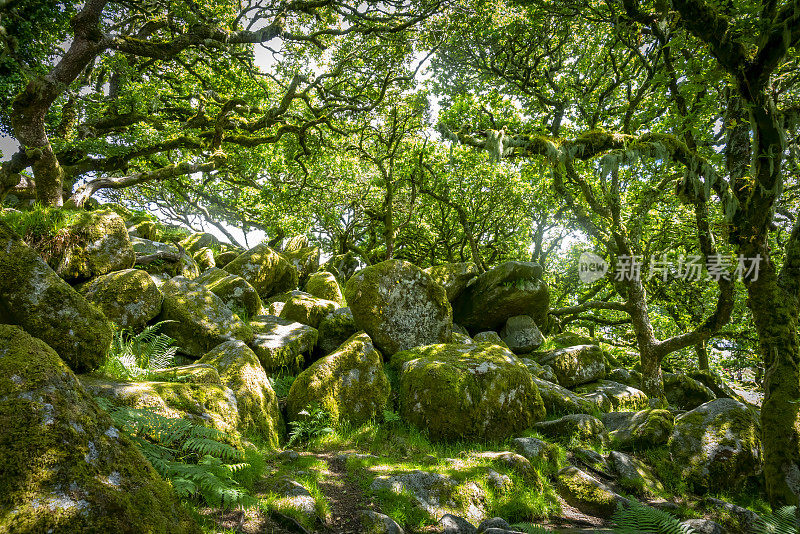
(782, 521)
(640, 519)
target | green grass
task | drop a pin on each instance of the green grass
(39, 221)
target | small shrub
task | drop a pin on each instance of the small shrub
(314, 423)
(133, 356)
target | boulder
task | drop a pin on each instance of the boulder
(204, 259)
(305, 260)
(545, 372)
(633, 475)
(130, 298)
(640, 430)
(324, 285)
(576, 365)
(34, 297)
(453, 277)
(558, 400)
(342, 266)
(198, 241)
(146, 229)
(64, 466)
(95, 243)
(453, 524)
(334, 329)
(224, 258)
(264, 269)
(535, 450)
(199, 319)
(193, 373)
(684, 392)
(716, 384)
(349, 384)
(185, 266)
(582, 427)
(307, 309)
(466, 392)
(281, 344)
(490, 336)
(211, 405)
(587, 494)
(377, 523)
(704, 526)
(240, 370)
(717, 445)
(512, 288)
(620, 396)
(521, 334)
(625, 376)
(399, 306)
(238, 295)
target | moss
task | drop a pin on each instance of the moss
(647, 428)
(466, 392)
(620, 396)
(684, 392)
(349, 384)
(198, 241)
(334, 329)
(281, 344)
(576, 365)
(305, 260)
(256, 402)
(204, 259)
(490, 336)
(46, 306)
(324, 285)
(196, 373)
(265, 270)
(585, 493)
(453, 277)
(235, 292)
(399, 306)
(64, 467)
(130, 298)
(580, 428)
(306, 309)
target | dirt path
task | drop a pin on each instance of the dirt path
(344, 496)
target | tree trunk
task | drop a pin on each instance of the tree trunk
(702, 355)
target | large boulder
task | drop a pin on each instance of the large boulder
(266, 270)
(33, 296)
(717, 445)
(587, 494)
(521, 334)
(334, 329)
(281, 344)
(466, 392)
(342, 266)
(634, 475)
(324, 285)
(716, 384)
(96, 243)
(399, 306)
(198, 241)
(684, 392)
(130, 298)
(176, 264)
(240, 370)
(559, 400)
(238, 295)
(64, 467)
(307, 309)
(581, 427)
(305, 260)
(619, 396)
(349, 384)
(453, 277)
(208, 403)
(576, 365)
(199, 320)
(642, 429)
(204, 259)
(512, 288)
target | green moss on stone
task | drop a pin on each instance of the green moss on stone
(266, 270)
(130, 298)
(307, 309)
(324, 285)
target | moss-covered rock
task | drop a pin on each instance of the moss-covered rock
(633, 475)
(145, 229)
(194, 373)
(512, 288)
(257, 405)
(130, 298)
(489, 336)
(198, 241)
(305, 260)
(349, 384)
(621, 397)
(625, 376)
(234, 291)
(264, 269)
(212, 405)
(200, 319)
(185, 266)
(587, 494)
(461, 339)
(521, 334)
(545, 372)
(33, 296)
(536, 450)
(95, 243)
(64, 467)
(642, 429)
(225, 257)
(582, 427)
(684, 392)
(716, 384)
(559, 400)
(204, 258)
(453, 277)
(570, 339)
(377, 523)
(324, 285)
(399, 306)
(307, 309)
(342, 266)
(717, 445)
(466, 392)
(281, 344)
(576, 365)
(334, 329)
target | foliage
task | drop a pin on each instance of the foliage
(640, 519)
(281, 384)
(198, 461)
(315, 422)
(784, 520)
(132, 356)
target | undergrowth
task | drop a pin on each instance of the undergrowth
(134, 356)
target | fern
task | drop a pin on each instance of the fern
(198, 461)
(132, 357)
(782, 521)
(315, 423)
(530, 528)
(640, 519)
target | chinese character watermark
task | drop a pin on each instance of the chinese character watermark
(682, 267)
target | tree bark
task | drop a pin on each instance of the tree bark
(702, 355)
